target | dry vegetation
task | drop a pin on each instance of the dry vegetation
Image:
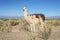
(7, 25)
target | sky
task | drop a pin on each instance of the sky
(14, 7)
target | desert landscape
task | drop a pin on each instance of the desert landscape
(29, 19)
(18, 29)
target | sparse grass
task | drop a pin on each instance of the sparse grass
(45, 34)
(31, 36)
(6, 25)
(53, 22)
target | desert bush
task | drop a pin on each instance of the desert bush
(45, 33)
(25, 26)
(56, 23)
(53, 22)
(13, 23)
(4, 26)
(5, 19)
(31, 36)
(1, 25)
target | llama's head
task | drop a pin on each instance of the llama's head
(24, 8)
(25, 11)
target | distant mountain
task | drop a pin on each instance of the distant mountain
(53, 17)
(8, 17)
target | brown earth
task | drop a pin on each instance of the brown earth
(13, 36)
(55, 35)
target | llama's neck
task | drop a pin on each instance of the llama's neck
(25, 12)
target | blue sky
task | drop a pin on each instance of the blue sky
(14, 7)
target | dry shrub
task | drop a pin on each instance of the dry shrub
(13, 23)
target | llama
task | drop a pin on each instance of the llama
(33, 19)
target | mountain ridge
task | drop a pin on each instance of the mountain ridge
(52, 17)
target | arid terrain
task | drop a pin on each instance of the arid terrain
(18, 29)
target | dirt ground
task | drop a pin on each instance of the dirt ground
(13, 36)
(55, 35)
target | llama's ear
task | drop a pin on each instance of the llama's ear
(24, 7)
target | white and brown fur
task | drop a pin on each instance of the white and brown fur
(33, 19)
